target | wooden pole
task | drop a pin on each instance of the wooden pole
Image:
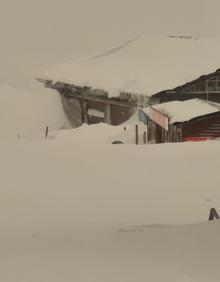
(136, 134)
(145, 137)
(47, 131)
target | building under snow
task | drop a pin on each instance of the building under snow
(177, 121)
(109, 87)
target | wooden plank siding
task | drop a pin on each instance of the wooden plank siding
(204, 127)
(120, 114)
(200, 128)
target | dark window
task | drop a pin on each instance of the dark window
(211, 85)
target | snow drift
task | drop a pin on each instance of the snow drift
(28, 113)
(80, 209)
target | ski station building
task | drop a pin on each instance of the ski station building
(178, 121)
(111, 86)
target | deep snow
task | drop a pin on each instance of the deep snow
(77, 208)
(23, 114)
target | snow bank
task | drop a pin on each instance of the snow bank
(102, 133)
(66, 203)
(180, 111)
(25, 113)
(144, 65)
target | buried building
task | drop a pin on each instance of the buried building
(179, 121)
(83, 104)
(111, 86)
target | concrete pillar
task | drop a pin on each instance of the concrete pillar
(83, 105)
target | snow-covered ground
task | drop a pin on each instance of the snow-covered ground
(73, 207)
(76, 208)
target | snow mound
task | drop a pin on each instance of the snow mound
(24, 113)
(143, 65)
(99, 134)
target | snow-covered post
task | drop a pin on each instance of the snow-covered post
(136, 134)
(47, 131)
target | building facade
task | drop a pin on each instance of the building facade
(206, 87)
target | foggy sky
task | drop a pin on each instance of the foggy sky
(38, 34)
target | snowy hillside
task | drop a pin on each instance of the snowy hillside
(78, 209)
(144, 65)
(28, 113)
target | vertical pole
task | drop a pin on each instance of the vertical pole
(82, 110)
(136, 134)
(108, 114)
(47, 131)
(85, 119)
(145, 137)
(207, 89)
(162, 136)
(83, 105)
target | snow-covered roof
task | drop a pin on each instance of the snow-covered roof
(145, 65)
(181, 111)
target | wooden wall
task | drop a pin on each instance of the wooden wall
(120, 114)
(198, 129)
(204, 127)
(113, 114)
